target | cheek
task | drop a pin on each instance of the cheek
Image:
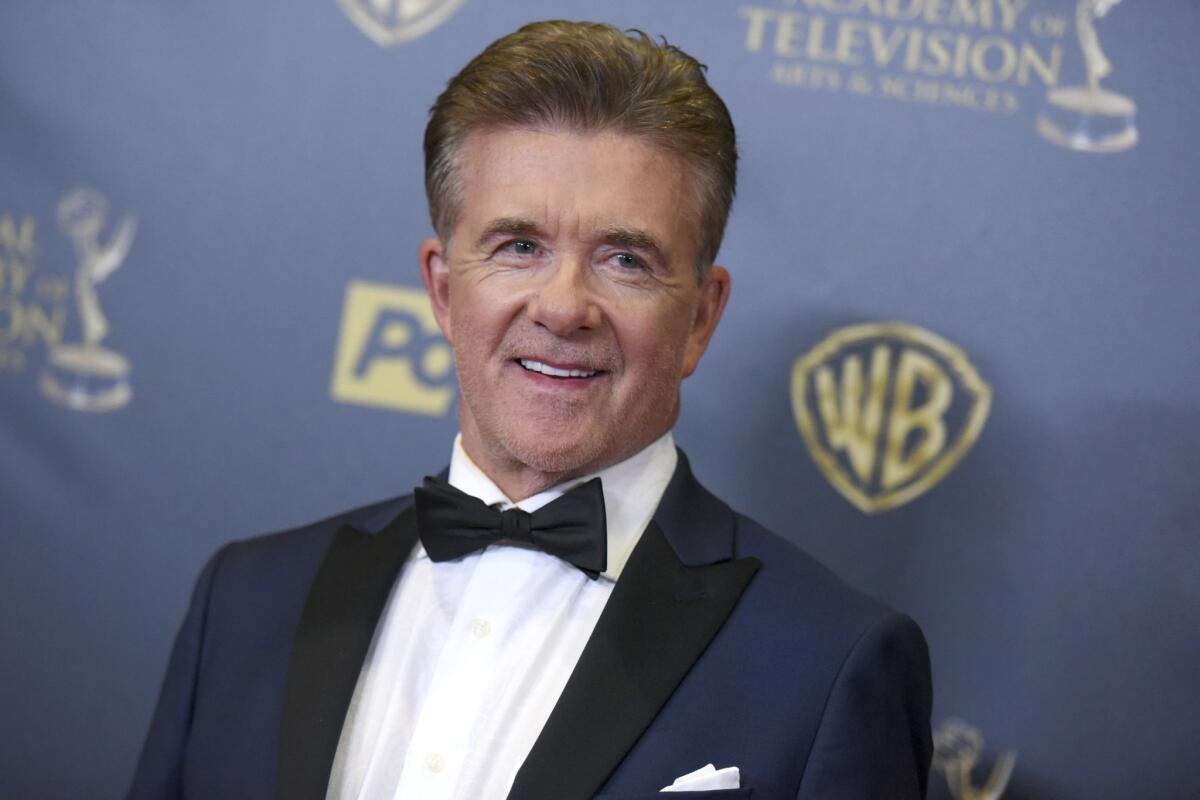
(476, 324)
(657, 353)
(481, 312)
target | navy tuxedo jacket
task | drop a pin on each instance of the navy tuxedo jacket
(720, 643)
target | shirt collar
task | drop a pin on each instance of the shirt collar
(632, 491)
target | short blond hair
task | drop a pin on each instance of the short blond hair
(587, 76)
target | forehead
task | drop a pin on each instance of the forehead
(568, 181)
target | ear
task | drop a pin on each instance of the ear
(435, 272)
(714, 293)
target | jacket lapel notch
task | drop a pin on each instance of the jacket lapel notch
(336, 628)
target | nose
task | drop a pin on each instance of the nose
(562, 302)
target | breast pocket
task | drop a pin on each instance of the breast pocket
(715, 794)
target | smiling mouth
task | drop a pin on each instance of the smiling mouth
(555, 372)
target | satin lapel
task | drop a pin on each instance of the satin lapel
(662, 614)
(336, 628)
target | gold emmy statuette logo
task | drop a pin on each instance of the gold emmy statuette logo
(1088, 118)
(956, 750)
(87, 376)
(887, 410)
(390, 22)
(391, 353)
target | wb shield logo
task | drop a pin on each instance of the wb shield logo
(390, 22)
(887, 410)
(390, 353)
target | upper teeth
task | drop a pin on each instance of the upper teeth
(546, 369)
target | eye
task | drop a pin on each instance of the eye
(522, 247)
(627, 261)
(517, 250)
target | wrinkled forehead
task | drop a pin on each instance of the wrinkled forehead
(576, 182)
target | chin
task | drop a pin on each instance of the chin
(554, 455)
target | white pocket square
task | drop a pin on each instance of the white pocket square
(706, 778)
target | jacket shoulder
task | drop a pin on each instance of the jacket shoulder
(794, 575)
(793, 591)
(272, 573)
(305, 543)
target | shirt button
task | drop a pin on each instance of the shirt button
(481, 628)
(435, 762)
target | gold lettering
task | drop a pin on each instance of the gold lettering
(849, 41)
(14, 275)
(786, 34)
(959, 95)
(806, 76)
(936, 13)
(962, 49)
(854, 424)
(947, 13)
(936, 45)
(814, 34)
(1009, 11)
(912, 57)
(1030, 58)
(896, 9)
(884, 50)
(12, 315)
(927, 91)
(979, 59)
(50, 327)
(833, 7)
(859, 83)
(17, 238)
(757, 19)
(900, 466)
(894, 87)
(816, 49)
(965, 13)
(1050, 25)
(22, 324)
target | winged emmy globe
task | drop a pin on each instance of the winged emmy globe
(1089, 118)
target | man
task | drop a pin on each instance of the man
(519, 628)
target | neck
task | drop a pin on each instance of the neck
(519, 479)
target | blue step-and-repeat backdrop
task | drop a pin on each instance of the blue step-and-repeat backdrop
(960, 363)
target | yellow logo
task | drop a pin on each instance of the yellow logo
(887, 410)
(956, 750)
(390, 353)
(390, 22)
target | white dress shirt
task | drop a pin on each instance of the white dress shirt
(470, 656)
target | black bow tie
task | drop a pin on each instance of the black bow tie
(452, 523)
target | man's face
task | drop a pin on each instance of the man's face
(569, 292)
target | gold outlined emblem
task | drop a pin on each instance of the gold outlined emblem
(956, 750)
(1089, 118)
(887, 410)
(87, 376)
(390, 22)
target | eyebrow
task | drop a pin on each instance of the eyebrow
(508, 226)
(633, 239)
